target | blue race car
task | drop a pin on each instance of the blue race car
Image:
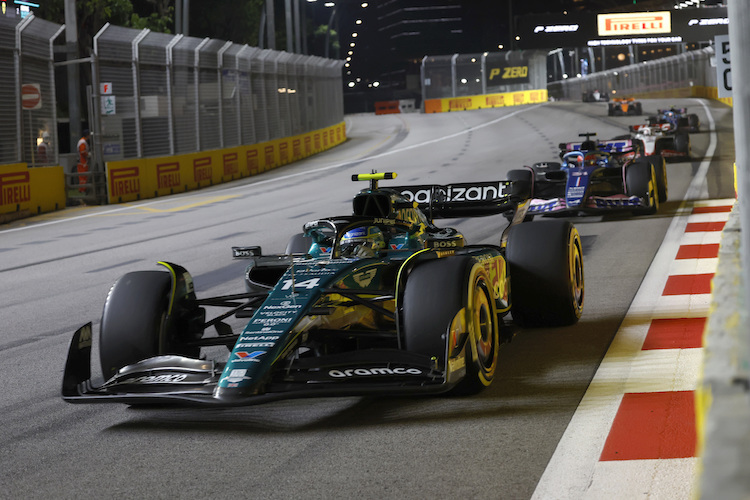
(677, 120)
(595, 178)
(379, 302)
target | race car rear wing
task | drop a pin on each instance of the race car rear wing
(470, 199)
(611, 146)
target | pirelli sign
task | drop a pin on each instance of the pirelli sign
(634, 23)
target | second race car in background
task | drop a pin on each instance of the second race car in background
(677, 120)
(660, 140)
(624, 106)
(594, 96)
(596, 178)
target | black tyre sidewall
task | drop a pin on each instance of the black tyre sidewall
(637, 178)
(132, 318)
(682, 143)
(538, 256)
(435, 292)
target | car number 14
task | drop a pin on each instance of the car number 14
(308, 284)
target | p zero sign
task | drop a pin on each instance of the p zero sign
(634, 23)
(507, 73)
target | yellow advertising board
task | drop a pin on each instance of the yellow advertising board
(31, 190)
(131, 180)
(485, 101)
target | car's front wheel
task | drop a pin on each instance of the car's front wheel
(444, 299)
(640, 180)
(134, 320)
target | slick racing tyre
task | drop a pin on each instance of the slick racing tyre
(640, 180)
(133, 321)
(545, 261)
(436, 291)
(660, 169)
(682, 144)
(694, 122)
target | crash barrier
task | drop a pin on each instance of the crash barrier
(131, 180)
(722, 403)
(685, 75)
(396, 106)
(28, 191)
(484, 101)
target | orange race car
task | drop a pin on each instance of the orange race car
(626, 106)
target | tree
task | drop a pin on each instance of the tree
(91, 15)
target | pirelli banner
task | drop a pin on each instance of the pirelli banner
(549, 31)
(131, 180)
(485, 101)
(29, 191)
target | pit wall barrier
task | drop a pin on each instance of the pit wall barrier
(466, 103)
(30, 191)
(136, 179)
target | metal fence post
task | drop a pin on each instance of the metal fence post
(137, 91)
(220, 80)
(170, 96)
(196, 80)
(453, 75)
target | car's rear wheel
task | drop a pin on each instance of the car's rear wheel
(435, 293)
(694, 122)
(682, 144)
(134, 320)
(640, 180)
(545, 261)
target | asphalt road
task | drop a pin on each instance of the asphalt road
(55, 271)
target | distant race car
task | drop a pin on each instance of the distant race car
(625, 106)
(659, 140)
(596, 178)
(594, 96)
(678, 119)
(378, 302)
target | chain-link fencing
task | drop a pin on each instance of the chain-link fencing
(28, 105)
(687, 71)
(155, 95)
(201, 94)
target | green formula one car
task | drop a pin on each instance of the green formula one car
(379, 302)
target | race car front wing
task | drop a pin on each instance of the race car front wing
(178, 380)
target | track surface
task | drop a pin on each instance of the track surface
(55, 272)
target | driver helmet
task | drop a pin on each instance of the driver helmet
(646, 131)
(363, 241)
